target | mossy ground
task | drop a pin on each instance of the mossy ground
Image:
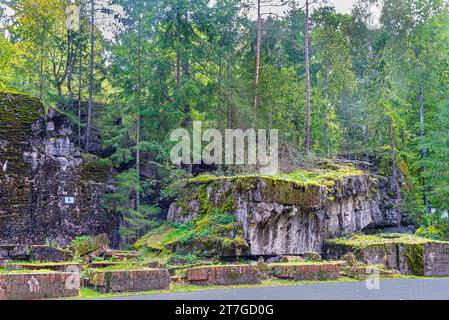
(213, 233)
(360, 241)
(43, 263)
(326, 177)
(4, 271)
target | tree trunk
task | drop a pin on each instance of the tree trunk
(307, 143)
(80, 73)
(256, 81)
(395, 172)
(41, 76)
(59, 88)
(178, 69)
(228, 93)
(139, 68)
(91, 77)
(186, 75)
(424, 150)
(326, 120)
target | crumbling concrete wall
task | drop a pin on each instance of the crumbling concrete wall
(282, 216)
(40, 172)
(129, 280)
(223, 275)
(31, 286)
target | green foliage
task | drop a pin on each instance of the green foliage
(434, 226)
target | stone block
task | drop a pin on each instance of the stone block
(309, 271)
(223, 275)
(32, 286)
(129, 280)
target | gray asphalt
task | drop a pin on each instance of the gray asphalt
(397, 289)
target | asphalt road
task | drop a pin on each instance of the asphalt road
(397, 289)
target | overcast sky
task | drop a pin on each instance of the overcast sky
(343, 6)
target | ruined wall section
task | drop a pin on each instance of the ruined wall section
(41, 173)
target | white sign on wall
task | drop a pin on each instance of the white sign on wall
(69, 200)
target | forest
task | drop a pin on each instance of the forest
(370, 84)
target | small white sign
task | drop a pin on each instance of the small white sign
(69, 200)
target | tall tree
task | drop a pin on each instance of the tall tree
(307, 66)
(91, 76)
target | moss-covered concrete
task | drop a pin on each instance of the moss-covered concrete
(404, 252)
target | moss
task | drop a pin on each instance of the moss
(359, 241)
(301, 263)
(94, 168)
(207, 235)
(17, 114)
(415, 258)
(19, 109)
(3, 271)
(118, 267)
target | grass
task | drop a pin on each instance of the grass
(3, 271)
(120, 267)
(42, 263)
(300, 263)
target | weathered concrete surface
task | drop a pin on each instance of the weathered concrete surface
(129, 280)
(223, 275)
(280, 216)
(423, 258)
(33, 252)
(31, 286)
(310, 271)
(39, 168)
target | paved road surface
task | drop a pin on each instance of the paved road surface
(397, 289)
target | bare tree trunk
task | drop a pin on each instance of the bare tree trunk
(41, 76)
(326, 120)
(186, 74)
(256, 81)
(307, 143)
(80, 73)
(59, 89)
(395, 171)
(139, 68)
(91, 77)
(228, 93)
(424, 149)
(178, 69)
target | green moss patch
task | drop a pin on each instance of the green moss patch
(19, 109)
(208, 234)
(325, 177)
(94, 168)
(305, 263)
(359, 241)
(17, 114)
(24, 271)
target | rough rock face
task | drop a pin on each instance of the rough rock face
(280, 216)
(40, 175)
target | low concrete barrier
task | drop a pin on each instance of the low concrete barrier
(31, 286)
(223, 275)
(309, 271)
(129, 280)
